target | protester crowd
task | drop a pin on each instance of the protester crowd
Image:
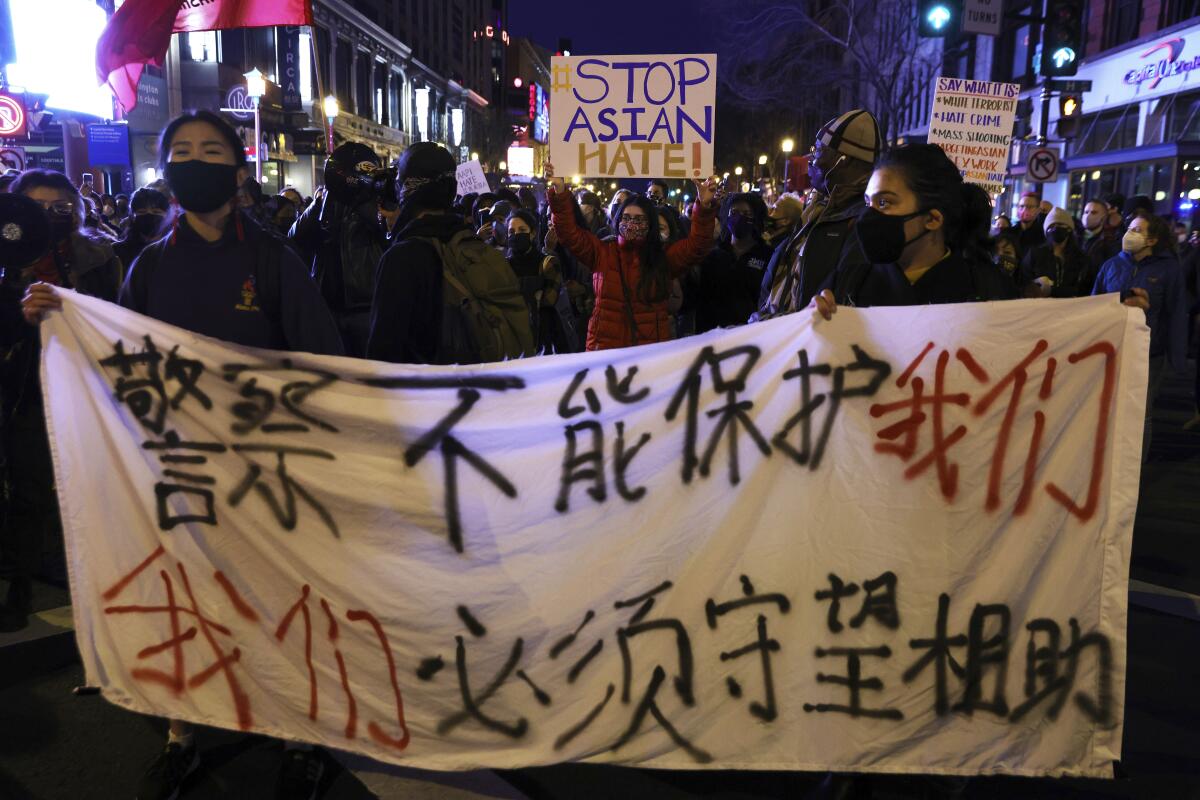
(388, 263)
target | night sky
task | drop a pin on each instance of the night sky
(646, 26)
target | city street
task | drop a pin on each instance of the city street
(57, 746)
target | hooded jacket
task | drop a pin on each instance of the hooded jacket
(406, 315)
(1162, 277)
(616, 265)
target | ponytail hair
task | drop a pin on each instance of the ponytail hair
(965, 207)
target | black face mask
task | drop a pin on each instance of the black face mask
(61, 226)
(882, 235)
(146, 226)
(202, 186)
(1059, 235)
(739, 226)
(520, 242)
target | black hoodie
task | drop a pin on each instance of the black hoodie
(406, 315)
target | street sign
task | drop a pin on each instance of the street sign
(12, 116)
(12, 158)
(983, 16)
(1042, 166)
(1070, 87)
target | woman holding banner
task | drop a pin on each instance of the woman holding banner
(632, 275)
(925, 231)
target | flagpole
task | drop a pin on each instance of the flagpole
(312, 40)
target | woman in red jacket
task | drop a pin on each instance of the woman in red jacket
(632, 275)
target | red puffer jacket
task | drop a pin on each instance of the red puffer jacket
(610, 261)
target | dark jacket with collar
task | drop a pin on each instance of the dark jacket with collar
(406, 315)
(1099, 249)
(954, 279)
(818, 247)
(342, 254)
(248, 288)
(1070, 275)
(724, 288)
(1162, 277)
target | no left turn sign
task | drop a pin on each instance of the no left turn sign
(1042, 166)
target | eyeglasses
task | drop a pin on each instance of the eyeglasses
(63, 207)
(627, 218)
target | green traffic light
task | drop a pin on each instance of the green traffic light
(938, 17)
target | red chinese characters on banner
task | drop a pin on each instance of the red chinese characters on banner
(188, 625)
(903, 438)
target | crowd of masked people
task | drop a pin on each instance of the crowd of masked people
(388, 263)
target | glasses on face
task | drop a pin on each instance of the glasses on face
(61, 207)
(630, 219)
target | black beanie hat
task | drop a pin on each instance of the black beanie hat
(425, 179)
(351, 154)
(424, 160)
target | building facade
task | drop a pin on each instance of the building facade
(1140, 126)
(401, 71)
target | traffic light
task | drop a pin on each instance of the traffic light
(1062, 38)
(1022, 126)
(1070, 110)
(938, 17)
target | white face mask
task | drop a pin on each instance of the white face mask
(1133, 242)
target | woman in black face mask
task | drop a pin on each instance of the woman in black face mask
(74, 259)
(150, 209)
(723, 289)
(539, 277)
(925, 232)
(1058, 268)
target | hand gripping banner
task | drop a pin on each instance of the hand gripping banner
(895, 542)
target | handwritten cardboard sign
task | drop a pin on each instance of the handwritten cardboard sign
(973, 123)
(633, 116)
(897, 541)
(471, 179)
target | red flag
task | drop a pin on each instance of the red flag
(140, 32)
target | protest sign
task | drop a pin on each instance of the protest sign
(647, 116)
(973, 123)
(896, 541)
(471, 178)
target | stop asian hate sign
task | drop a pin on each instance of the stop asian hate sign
(650, 116)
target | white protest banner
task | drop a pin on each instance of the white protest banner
(471, 179)
(646, 116)
(765, 548)
(973, 123)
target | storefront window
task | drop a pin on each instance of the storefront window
(1111, 130)
(1183, 119)
(1187, 199)
(1152, 178)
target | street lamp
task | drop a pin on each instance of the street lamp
(256, 87)
(737, 171)
(331, 111)
(503, 165)
(762, 160)
(787, 145)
